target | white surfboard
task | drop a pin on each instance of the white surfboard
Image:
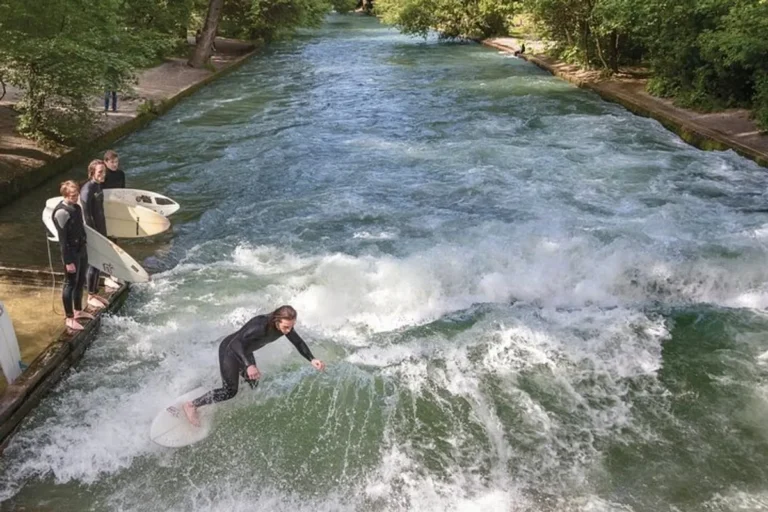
(123, 221)
(10, 355)
(171, 427)
(126, 221)
(152, 200)
(111, 259)
(50, 204)
(102, 253)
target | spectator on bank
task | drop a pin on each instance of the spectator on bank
(111, 82)
(113, 96)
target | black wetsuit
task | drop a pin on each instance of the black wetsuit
(236, 354)
(114, 179)
(68, 219)
(92, 199)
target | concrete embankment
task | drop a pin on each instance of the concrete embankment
(730, 129)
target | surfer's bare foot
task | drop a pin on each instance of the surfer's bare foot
(111, 283)
(97, 302)
(72, 325)
(83, 314)
(191, 412)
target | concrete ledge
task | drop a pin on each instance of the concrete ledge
(647, 106)
(30, 276)
(47, 369)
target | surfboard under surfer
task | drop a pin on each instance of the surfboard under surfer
(236, 355)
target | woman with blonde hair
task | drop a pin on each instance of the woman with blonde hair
(68, 219)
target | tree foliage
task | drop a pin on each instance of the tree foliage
(706, 54)
(450, 18)
(268, 20)
(64, 54)
(344, 6)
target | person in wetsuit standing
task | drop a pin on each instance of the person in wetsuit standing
(68, 219)
(92, 201)
(236, 355)
(114, 178)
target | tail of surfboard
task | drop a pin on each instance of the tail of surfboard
(10, 355)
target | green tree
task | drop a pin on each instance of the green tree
(601, 33)
(343, 6)
(62, 54)
(264, 20)
(450, 18)
(268, 20)
(711, 54)
(204, 46)
(738, 51)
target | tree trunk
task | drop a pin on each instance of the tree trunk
(600, 51)
(205, 42)
(614, 59)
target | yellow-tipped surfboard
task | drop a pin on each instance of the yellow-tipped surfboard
(102, 253)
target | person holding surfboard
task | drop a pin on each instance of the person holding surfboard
(92, 200)
(236, 355)
(68, 220)
(115, 178)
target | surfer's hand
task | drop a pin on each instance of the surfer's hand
(318, 364)
(253, 372)
(70, 268)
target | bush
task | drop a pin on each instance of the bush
(760, 105)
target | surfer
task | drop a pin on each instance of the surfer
(114, 178)
(236, 355)
(92, 200)
(68, 219)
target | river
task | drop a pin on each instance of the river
(528, 299)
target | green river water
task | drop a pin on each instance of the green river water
(528, 300)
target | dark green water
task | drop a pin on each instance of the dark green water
(528, 300)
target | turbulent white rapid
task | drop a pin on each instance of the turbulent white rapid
(528, 299)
